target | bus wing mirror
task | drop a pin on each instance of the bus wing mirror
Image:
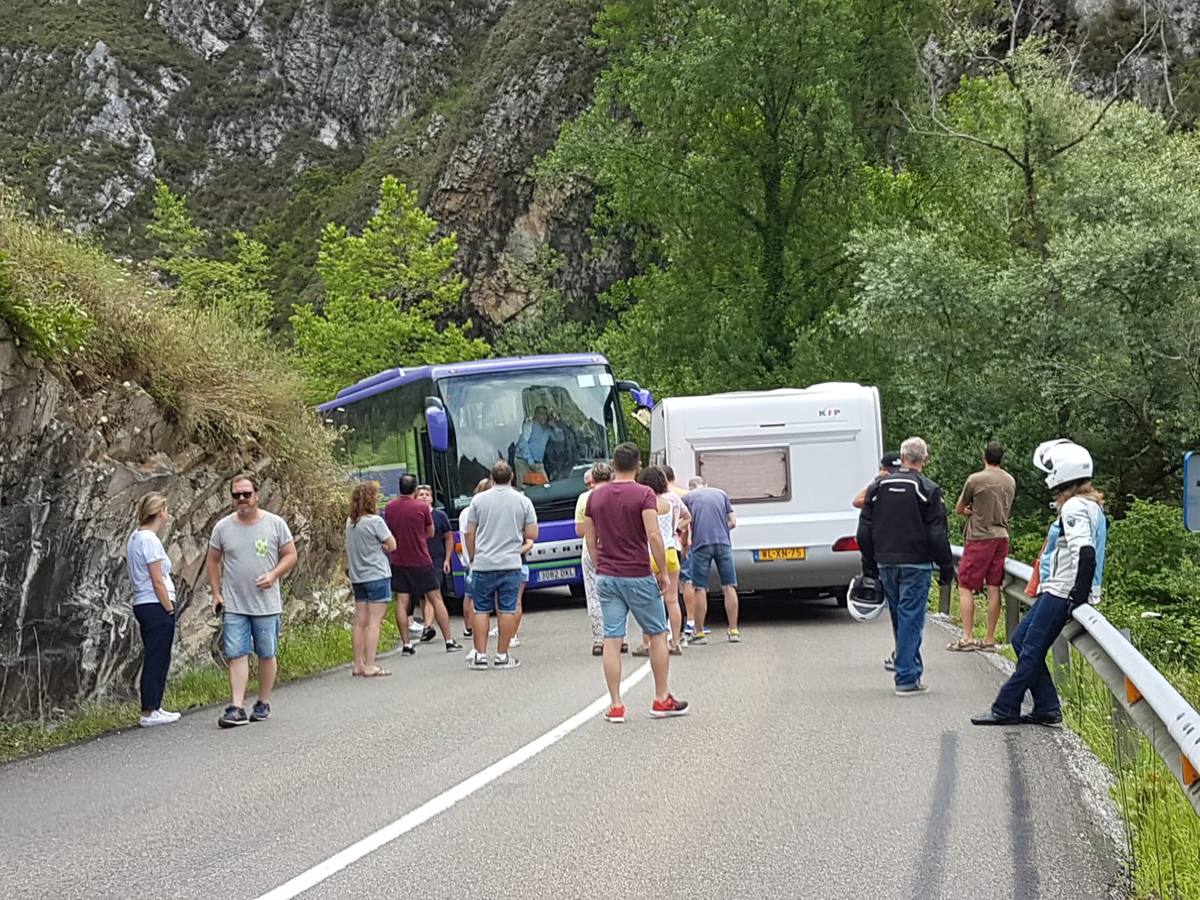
(438, 424)
(642, 398)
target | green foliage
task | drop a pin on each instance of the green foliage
(385, 291)
(52, 326)
(237, 285)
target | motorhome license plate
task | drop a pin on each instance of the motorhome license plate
(776, 554)
(544, 575)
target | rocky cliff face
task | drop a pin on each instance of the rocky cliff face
(230, 99)
(71, 469)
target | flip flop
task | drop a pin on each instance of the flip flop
(378, 673)
(357, 674)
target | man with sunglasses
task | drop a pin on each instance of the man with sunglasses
(249, 551)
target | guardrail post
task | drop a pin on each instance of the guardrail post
(1125, 732)
(944, 599)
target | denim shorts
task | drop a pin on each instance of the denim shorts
(373, 591)
(490, 590)
(704, 556)
(621, 596)
(245, 633)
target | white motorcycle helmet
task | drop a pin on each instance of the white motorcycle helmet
(1063, 461)
(864, 598)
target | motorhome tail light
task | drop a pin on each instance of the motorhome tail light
(849, 544)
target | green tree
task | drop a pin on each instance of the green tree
(237, 284)
(387, 292)
(723, 136)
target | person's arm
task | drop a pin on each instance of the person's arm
(387, 540)
(589, 535)
(1077, 530)
(287, 560)
(430, 528)
(448, 537)
(658, 550)
(730, 517)
(866, 542)
(389, 544)
(469, 540)
(860, 498)
(934, 514)
(963, 506)
(159, 583)
(212, 566)
(531, 522)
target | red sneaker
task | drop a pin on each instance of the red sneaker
(615, 714)
(662, 709)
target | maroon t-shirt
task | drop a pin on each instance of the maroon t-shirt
(409, 521)
(616, 510)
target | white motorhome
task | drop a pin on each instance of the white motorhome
(791, 461)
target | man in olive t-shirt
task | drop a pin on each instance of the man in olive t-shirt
(986, 501)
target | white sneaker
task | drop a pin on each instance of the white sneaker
(415, 627)
(173, 715)
(496, 631)
(515, 642)
(158, 717)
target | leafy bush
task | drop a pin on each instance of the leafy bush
(51, 327)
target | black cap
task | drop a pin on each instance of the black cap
(890, 461)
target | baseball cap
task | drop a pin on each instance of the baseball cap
(890, 461)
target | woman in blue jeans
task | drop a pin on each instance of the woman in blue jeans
(1075, 556)
(149, 570)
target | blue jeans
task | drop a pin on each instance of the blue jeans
(621, 596)
(495, 591)
(907, 591)
(1031, 641)
(704, 556)
(244, 633)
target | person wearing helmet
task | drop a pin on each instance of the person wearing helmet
(901, 532)
(1075, 548)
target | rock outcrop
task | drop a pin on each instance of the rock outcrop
(72, 467)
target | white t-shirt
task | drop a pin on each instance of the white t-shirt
(144, 548)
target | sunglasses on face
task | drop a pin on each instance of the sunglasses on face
(241, 495)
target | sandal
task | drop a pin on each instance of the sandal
(597, 649)
(378, 673)
(963, 645)
(985, 646)
(642, 650)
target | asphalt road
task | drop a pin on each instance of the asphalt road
(798, 774)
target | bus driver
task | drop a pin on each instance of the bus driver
(536, 433)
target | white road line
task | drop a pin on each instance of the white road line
(445, 800)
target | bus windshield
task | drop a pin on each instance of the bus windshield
(550, 425)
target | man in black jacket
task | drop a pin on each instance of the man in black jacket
(902, 534)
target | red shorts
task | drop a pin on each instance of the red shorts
(983, 563)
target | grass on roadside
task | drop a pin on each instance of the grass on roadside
(303, 650)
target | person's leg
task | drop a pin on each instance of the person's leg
(239, 676)
(402, 601)
(358, 634)
(434, 600)
(484, 592)
(375, 614)
(701, 563)
(993, 613)
(644, 600)
(429, 612)
(615, 612)
(966, 609)
(149, 618)
(911, 608)
(237, 644)
(728, 574)
(889, 578)
(520, 607)
(660, 662)
(507, 591)
(266, 646)
(1035, 635)
(468, 613)
(593, 601)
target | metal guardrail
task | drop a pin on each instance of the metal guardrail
(1167, 720)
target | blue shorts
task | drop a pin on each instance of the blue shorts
(245, 633)
(499, 589)
(621, 596)
(704, 556)
(373, 591)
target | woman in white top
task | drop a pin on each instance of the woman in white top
(149, 570)
(368, 542)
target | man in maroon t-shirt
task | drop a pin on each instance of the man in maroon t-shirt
(621, 530)
(411, 524)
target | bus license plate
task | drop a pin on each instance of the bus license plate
(776, 554)
(544, 575)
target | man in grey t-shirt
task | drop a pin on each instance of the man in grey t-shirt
(248, 553)
(499, 520)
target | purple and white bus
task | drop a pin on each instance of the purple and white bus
(447, 424)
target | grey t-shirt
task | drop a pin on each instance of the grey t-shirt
(365, 555)
(501, 515)
(247, 552)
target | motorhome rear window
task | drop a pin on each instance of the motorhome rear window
(746, 475)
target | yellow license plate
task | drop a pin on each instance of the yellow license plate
(780, 553)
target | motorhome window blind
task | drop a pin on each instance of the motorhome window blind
(746, 475)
